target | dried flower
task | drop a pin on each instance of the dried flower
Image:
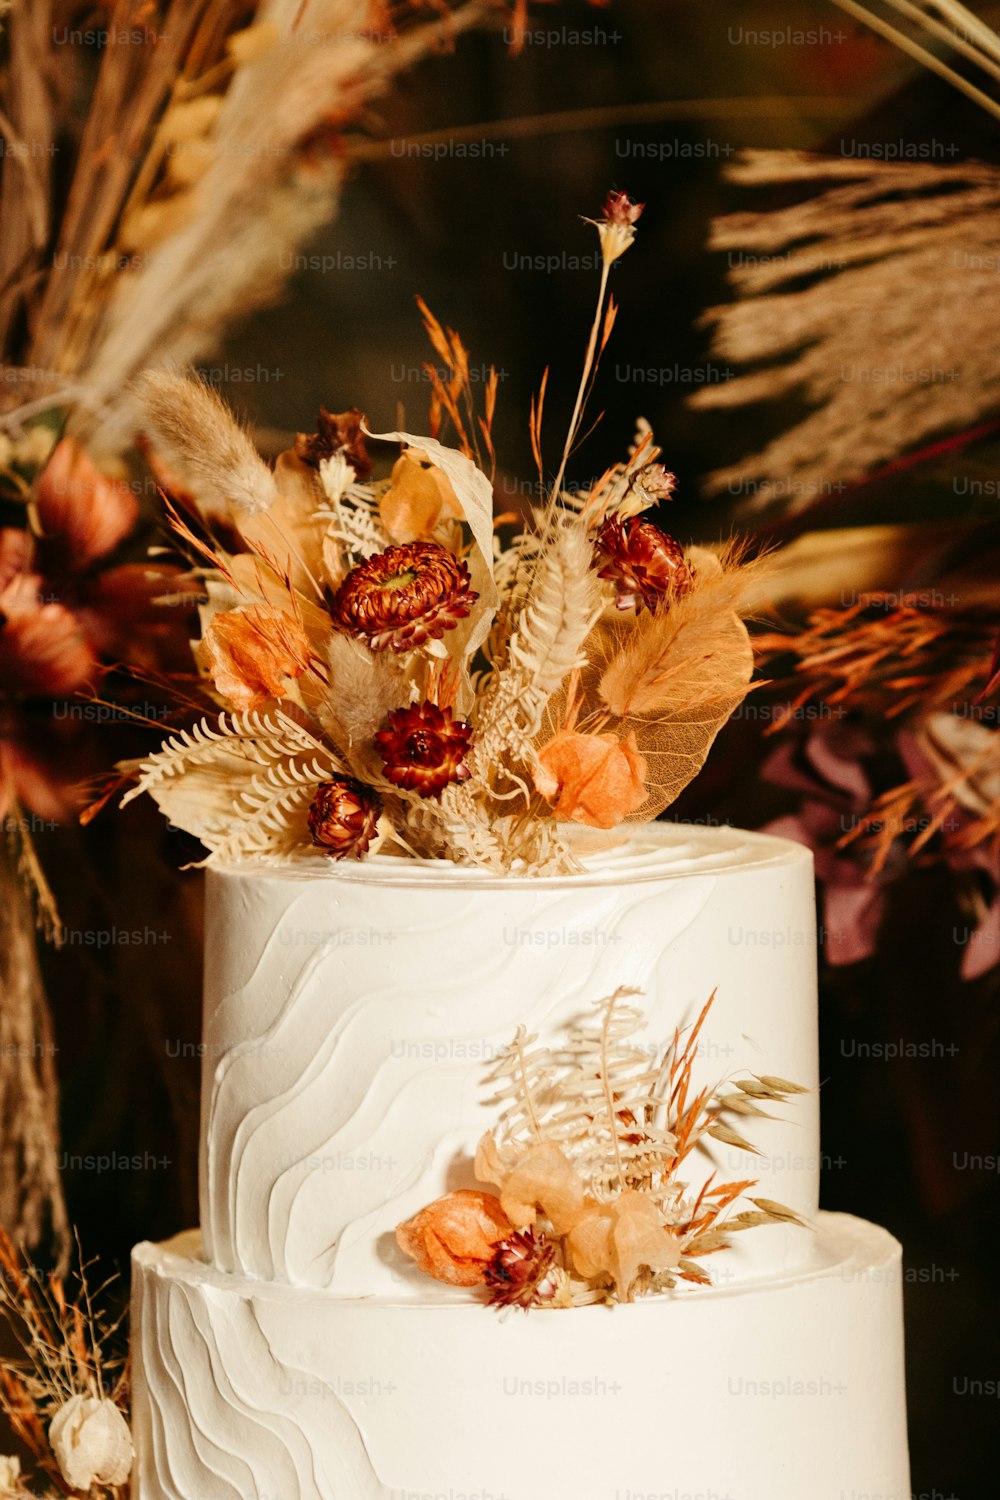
(251, 654)
(616, 226)
(656, 481)
(524, 1273)
(647, 567)
(343, 816)
(338, 433)
(419, 495)
(81, 513)
(10, 1476)
(402, 597)
(424, 748)
(454, 1239)
(596, 779)
(621, 1238)
(91, 1442)
(544, 1181)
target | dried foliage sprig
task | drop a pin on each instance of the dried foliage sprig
(879, 283)
(473, 696)
(585, 1162)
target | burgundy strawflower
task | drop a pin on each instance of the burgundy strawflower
(521, 1273)
(646, 565)
(343, 816)
(424, 748)
(402, 597)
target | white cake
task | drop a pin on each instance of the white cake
(291, 1351)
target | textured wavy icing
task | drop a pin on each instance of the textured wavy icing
(344, 1080)
(790, 1391)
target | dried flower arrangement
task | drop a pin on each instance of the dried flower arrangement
(67, 1395)
(392, 674)
(588, 1204)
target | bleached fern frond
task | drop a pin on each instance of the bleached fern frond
(242, 785)
(604, 1118)
(525, 1075)
(260, 738)
(458, 827)
(355, 522)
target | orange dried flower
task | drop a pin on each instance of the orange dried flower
(424, 748)
(251, 653)
(419, 495)
(454, 1239)
(402, 597)
(343, 816)
(596, 779)
(646, 565)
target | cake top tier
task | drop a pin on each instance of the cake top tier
(653, 851)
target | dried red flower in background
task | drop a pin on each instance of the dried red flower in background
(424, 748)
(616, 226)
(343, 816)
(521, 1273)
(454, 1239)
(337, 432)
(646, 565)
(620, 209)
(402, 597)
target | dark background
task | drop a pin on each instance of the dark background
(654, 98)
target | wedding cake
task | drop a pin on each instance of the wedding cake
(291, 1351)
(510, 1110)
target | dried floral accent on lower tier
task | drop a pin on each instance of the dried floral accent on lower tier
(588, 1201)
(478, 686)
(66, 1396)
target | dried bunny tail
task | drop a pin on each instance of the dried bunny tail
(198, 432)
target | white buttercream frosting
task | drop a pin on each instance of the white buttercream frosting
(352, 1013)
(790, 1389)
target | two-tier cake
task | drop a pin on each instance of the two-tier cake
(510, 1117)
(290, 1351)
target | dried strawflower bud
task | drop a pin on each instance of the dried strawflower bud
(91, 1442)
(646, 565)
(343, 816)
(337, 433)
(454, 1239)
(523, 1272)
(595, 779)
(616, 226)
(424, 748)
(402, 597)
(656, 481)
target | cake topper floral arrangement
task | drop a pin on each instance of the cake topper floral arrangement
(382, 667)
(587, 1202)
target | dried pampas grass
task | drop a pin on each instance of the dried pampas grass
(889, 341)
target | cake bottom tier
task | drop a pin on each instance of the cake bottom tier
(783, 1390)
